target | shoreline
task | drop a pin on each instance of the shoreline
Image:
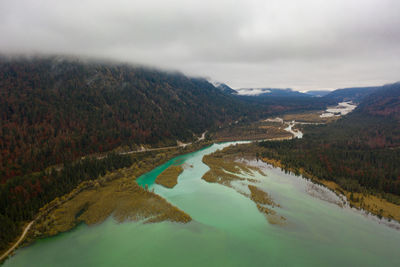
(225, 169)
(370, 204)
(165, 154)
(26, 239)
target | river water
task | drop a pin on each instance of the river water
(227, 229)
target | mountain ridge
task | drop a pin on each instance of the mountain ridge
(55, 109)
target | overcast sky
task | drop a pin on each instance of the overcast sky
(302, 44)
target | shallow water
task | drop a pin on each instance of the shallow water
(227, 229)
(341, 109)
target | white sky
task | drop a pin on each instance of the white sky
(307, 44)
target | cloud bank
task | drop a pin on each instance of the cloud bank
(308, 44)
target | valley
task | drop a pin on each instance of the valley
(199, 133)
(129, 168)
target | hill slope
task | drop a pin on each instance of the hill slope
(384, 102)
(225, 88)
(53, 110)
(355, 94)
(318, 93)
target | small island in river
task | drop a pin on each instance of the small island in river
(169, 177)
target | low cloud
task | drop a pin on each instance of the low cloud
(308, 44)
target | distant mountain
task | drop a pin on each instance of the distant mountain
(384, 102)
(270, 92)
(318, 93)
(355, 94)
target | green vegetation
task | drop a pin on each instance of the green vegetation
(169, 177)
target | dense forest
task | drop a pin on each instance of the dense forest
(361, 151)
(285, 104)
(53, 110)
(56, 109)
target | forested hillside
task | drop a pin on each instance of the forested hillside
(57, 109)
(383, 103)
(53, 110)
(359, 152)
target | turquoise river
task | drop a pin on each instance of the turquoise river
(227, 229)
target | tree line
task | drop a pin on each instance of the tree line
(23, 196)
